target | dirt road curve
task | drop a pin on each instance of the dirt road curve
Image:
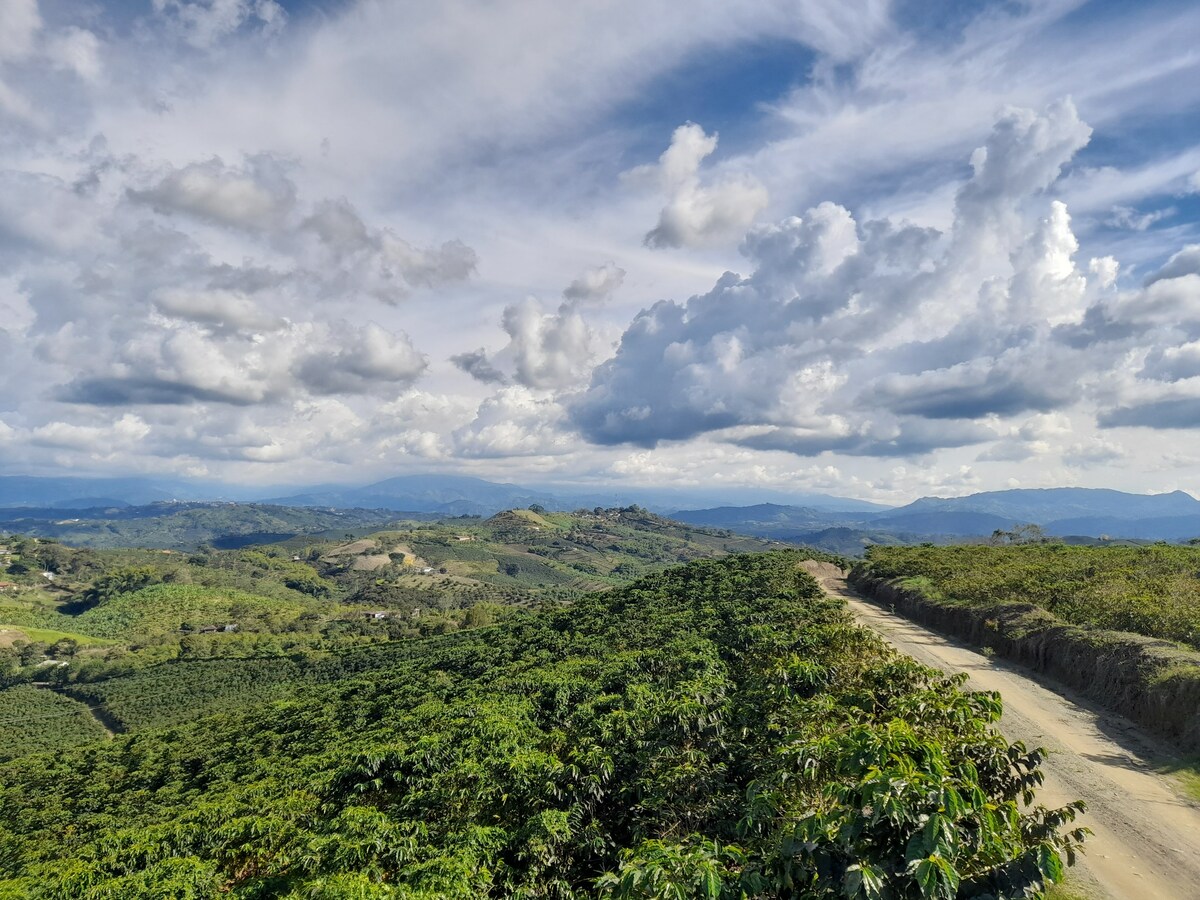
(1147, 834)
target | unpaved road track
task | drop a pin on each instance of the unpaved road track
(1146, 844)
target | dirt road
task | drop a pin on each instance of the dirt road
(1147, 833)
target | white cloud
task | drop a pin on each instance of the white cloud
(696, 213)
(874, 338)
(223, 310)
(76, 50)
(548, 350)
(258, 195)
(1130, 218)
(20, 22)
(328, 214)
(514, 422)
(360, 360)
(117, 435)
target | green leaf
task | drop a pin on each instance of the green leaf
(1050, 862)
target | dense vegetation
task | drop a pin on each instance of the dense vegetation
(159, 637)
(35, 720)
(1152, 590)
(719, 730)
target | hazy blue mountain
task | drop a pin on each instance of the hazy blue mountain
(665, 499)
(442, 494)
(954, 522)
(1060, 511)
(447, 494)
(768, 515)
(465, 495)
(1047, 505)
(1163, 528)
(79, 493)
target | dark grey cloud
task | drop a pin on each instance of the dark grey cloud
(1011, 384)
(1185, 262)
(1172, 364)
(137, 391)
(476, 364)
(900, 437)
(596, 283)
(1165, 413)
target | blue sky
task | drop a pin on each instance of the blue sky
(272, 242)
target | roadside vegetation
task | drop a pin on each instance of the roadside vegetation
(1152, 590)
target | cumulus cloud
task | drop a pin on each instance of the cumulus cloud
(548, 350)
(377, 262)
(331, 248)
(258, 267)
(257, 195)
(873, 338)
(514, 422)
(118, 435)
(1036, 436)
(208, 284)
(359, 360)
(1184, 262)
(698, 213)
(223, 310)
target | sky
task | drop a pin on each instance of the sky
(874, 249)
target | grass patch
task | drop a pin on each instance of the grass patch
(50, 635)
(1186, 773)
(1071, 889)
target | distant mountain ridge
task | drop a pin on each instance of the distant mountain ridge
(1062, 512)
(799, 516)
(1044, 505)
(449, 495)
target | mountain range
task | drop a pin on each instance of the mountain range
(1061, 512)
(796, 516)
(451, 495)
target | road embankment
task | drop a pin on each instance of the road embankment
(1154, 683)
(1146, 841)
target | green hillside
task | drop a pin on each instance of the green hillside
(718, 730)
(98, 621)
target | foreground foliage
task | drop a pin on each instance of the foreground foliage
(720, 730)
(1152, 590)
